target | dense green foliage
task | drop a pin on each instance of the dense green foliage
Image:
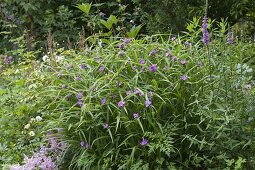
(159, 102)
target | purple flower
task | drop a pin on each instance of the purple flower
(80, 102)
(83, 66)
(136, 115)
(103, 101)
(121, 104)
(84, 144)
(101, 68)
(121, 46)
(128, 92)
(134, 67)
(137, 92)
(186, 43)
(183, 62)
(173, 58)
(147, 103)
(144, 142)
(142, 68)
(206, 39)
(53, 143)
(150, 94)
(168, 54)
(7, 60)
(153, 52)
(153, 68)
(106, 126)
(230, 39)
(126, 40)
(173, 38)
(78, 78)
(79, 95)
(142, 61)
(184, 77)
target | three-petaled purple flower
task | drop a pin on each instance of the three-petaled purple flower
(147, 103)
(141, 61)
(121, 104)
(183, 62)
(206, 39)
(103, 101)
(106, 126)
(144, 142)
(153, 68)
(101, 68)
(83, 66)
(136, 115)
(184, 77)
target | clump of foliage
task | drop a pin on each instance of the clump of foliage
(158, 102)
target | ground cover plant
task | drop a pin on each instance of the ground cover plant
(157, 102)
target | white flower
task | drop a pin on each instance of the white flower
(38, 118)
(32, 133)
(27, 126)
(45, 58)
(58, 58)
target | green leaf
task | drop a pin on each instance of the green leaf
(134, 31)
(84, 7)
(106, 24)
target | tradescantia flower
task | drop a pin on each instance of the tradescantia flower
(121, 104)
(83, 66)
(184, 77)
(101, 68)
(78, 78)
(141, 61)
(147, 103)
(183, 62)
(144, 142)
(153, 68)
(106, 126)
(103, 101)
(136, 115)
(230, 39)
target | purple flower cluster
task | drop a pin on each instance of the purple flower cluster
(79, 99)
(206, 39)
(44, 159)
(84, 144)
(230, 39)
(7, 60)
